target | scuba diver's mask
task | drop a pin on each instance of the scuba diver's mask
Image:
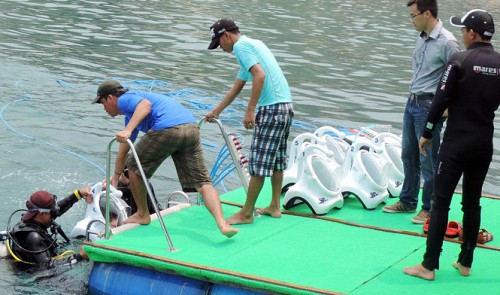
(53, 210)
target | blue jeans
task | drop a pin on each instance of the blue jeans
(414, 163)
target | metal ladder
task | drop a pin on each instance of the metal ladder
(235, 156)
(150, 193)
(177, 193)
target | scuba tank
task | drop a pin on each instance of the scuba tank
(3, 248)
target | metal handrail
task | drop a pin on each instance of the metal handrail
(175, 193)
(150, 193)
(234, 154)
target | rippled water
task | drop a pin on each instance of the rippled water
(347, 62)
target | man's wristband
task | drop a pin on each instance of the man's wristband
(427, 133)
(77, 194)
(118, 173)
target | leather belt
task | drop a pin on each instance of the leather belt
(423, 96)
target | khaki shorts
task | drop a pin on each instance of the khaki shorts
(182, 142)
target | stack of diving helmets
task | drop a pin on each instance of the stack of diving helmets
(327, 166)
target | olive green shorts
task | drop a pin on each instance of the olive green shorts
(182, 142)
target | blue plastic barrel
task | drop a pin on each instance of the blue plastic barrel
(114, 278)
(217, 289)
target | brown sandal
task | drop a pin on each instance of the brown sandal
(483, 236)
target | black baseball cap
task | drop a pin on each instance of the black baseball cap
(478, 20)
(107, 87)
(219, 27)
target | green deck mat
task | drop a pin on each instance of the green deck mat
(302, 255)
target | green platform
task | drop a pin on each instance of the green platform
(348, 251)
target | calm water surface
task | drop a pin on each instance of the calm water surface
(347, 62)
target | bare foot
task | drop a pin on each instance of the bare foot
(269, 212)
(228, 230)
(136, 218)
(83, 254)
(240, 218)
(420, 271)
(465, 271)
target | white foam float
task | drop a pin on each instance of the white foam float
(390, 149)
(296, 156)
(93, 223)
(318, 182)
(365, 174)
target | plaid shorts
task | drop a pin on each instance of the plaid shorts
(270, 135)
(182, 142)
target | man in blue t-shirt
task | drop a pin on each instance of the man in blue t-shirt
(170, 130)
(271, 125)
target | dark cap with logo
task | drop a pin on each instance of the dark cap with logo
(219, 27)
(107, 87)
(478, 20)
(38, 200)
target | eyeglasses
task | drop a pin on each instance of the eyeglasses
(412, 16)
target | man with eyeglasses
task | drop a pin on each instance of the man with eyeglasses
(434, 46)
(470, 90)
(30, 243)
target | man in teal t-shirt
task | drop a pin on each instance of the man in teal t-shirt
(271, 125)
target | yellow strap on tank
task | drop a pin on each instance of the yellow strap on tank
(7, 242)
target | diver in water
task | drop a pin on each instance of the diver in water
(30, 241)
(123, 186)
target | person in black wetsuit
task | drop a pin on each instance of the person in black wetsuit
(124, 187)
(470, 89)
(30, 241)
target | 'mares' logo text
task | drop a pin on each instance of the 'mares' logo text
(486, 71)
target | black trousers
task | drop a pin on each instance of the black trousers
(473, 165)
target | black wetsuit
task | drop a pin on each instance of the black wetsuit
(35, 238)
(470, 90)
(129, 199)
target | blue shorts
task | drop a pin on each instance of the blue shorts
(269, 142)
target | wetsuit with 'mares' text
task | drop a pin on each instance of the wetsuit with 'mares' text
(470, 90)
